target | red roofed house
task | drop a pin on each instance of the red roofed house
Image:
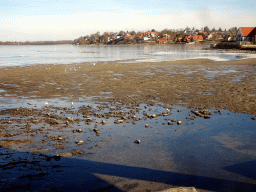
(246, 34)
(194, 38)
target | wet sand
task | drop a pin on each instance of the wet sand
(125, 95)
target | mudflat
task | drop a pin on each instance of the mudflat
(133, 119)
(197, 83)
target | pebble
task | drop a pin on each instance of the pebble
(146, 125)
(137, 141)
(153, 116)
(79, 142)
(179, 122)
(170, 123)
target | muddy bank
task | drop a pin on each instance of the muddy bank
(193, 83)
(132, 120)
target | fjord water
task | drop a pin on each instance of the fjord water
(67, 54)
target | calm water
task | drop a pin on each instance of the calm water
(67, 54)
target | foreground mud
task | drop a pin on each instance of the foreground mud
(125, 98)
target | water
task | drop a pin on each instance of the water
(66, 54)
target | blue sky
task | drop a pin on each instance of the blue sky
(30, 20)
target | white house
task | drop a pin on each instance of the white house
(246, 34)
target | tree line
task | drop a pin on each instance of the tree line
(176, 34)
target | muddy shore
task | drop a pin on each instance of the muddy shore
(192, 83)
(126, 94)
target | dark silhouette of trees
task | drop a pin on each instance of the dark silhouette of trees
(206, 29)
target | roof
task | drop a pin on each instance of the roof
(248, 31)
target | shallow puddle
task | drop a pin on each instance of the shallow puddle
(217, 148)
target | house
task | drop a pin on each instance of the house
(246, 34)
(194, 38)
(165, 39)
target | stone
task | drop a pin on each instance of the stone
(170, 123)
(180, 189)
(154, 115)
(79, 142)
(70, 119)
(137, 141)
(118, 121)
(205, 112)
(179, 122)
(173, 120)
(146, 125)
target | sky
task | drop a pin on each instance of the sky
(32, 20)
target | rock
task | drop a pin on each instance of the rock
(170, 123)
(77, 130)
(89, 120)
(124, 118)
(173, 120)
(118, 121)
(70, 119)
(154, 115)
(60, 122)
(253, 118)
(146, 125)
(205, 112)
(35, 121)
(179, 122)
(207, 117)
(197, 113)
(180, 189)
(68, 154)
(96, 130)
(179, 110)
(79, 142)
(103, 122)
(60, 138)
(137, 141)
(28, 125)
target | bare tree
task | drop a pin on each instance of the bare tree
(233, 31)
(206, 29)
